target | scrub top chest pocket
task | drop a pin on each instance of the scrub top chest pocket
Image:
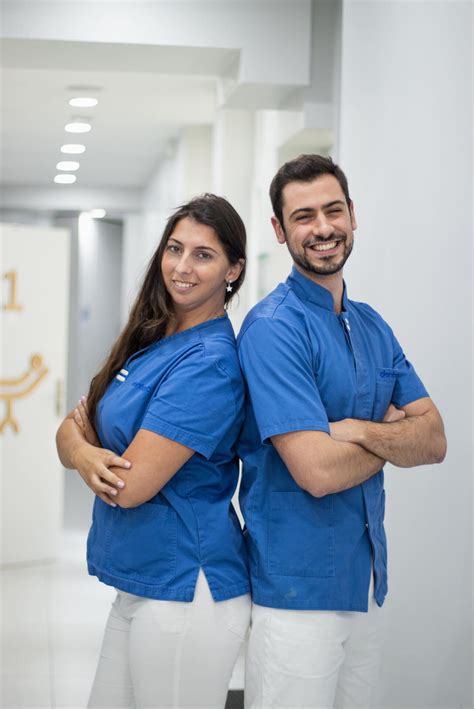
(385, 380)
(133, 391)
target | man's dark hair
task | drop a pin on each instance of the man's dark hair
(304, 168)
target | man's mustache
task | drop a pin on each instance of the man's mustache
(312, 241)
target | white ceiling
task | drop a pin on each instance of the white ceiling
(147, 94)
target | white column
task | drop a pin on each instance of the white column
(232, 177)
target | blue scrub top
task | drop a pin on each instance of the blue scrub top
(187, 387)
(306, 366)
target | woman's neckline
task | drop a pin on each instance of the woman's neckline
(192, 328)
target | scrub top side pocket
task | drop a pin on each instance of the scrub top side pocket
(141, 543)
(301, 535)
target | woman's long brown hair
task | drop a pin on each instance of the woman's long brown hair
(152, 309)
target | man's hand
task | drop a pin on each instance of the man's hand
(347, 430)
(343, 431)
(393, 414)
(93, 465)
(416, 438)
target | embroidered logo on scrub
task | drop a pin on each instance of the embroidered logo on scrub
(387, 374)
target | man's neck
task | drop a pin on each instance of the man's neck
(333, 283)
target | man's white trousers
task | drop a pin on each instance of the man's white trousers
(312, 659)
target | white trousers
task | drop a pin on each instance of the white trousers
(168, 654)
(312, 659)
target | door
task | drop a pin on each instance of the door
(34, 269)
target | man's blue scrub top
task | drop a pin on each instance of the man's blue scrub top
(189, 388)
(305, 366)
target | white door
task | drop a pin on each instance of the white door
(34, 270)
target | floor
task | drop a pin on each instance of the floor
(52, 621)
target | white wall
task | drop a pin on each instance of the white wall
(21, 216)
(233, 155)
(406, 148)
(182, 173)
(281, 30)
(73, 389)
(134, 260)
(94, 324)
(306, 123)
(100, 260)
(276, 140)
(205, 159)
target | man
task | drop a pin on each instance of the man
(331, 398)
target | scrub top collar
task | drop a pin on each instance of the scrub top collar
(191, 331)
(307, 289)
(184, 335)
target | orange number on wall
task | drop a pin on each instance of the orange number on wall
(11, 304)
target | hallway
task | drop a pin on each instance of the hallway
(53, 618)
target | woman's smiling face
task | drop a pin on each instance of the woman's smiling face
(195, 268)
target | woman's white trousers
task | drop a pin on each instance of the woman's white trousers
(168, 654)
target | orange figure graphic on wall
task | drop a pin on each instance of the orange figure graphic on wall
(16, 388)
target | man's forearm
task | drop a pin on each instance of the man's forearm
(321, 465)
(347, 465)
(415, 440)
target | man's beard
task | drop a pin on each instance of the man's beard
(328, 266)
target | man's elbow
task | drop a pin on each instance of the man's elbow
(320, 491)
(435, 451)
(318, 483)
(441, 449)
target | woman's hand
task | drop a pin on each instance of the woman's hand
(81, 417)
(93, 463)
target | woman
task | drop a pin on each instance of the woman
(169, 399)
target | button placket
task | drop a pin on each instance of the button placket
(344, 320)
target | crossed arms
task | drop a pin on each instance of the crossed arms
(78, 448)
(320, 463)
(355, 449)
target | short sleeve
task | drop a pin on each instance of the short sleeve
(277, 364)
(408, 385)
(195, 405)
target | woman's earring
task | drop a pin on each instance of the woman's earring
(229, 286)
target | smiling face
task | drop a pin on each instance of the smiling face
(196, 269)
(318, 225)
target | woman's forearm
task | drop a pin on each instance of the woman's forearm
(69, 439)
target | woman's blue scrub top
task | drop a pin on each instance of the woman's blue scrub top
(187, 387)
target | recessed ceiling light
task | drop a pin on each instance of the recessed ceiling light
(97, 213)
(83, 102)
(65, 179)
(78, 126)
(67, 165)
(73, 148)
